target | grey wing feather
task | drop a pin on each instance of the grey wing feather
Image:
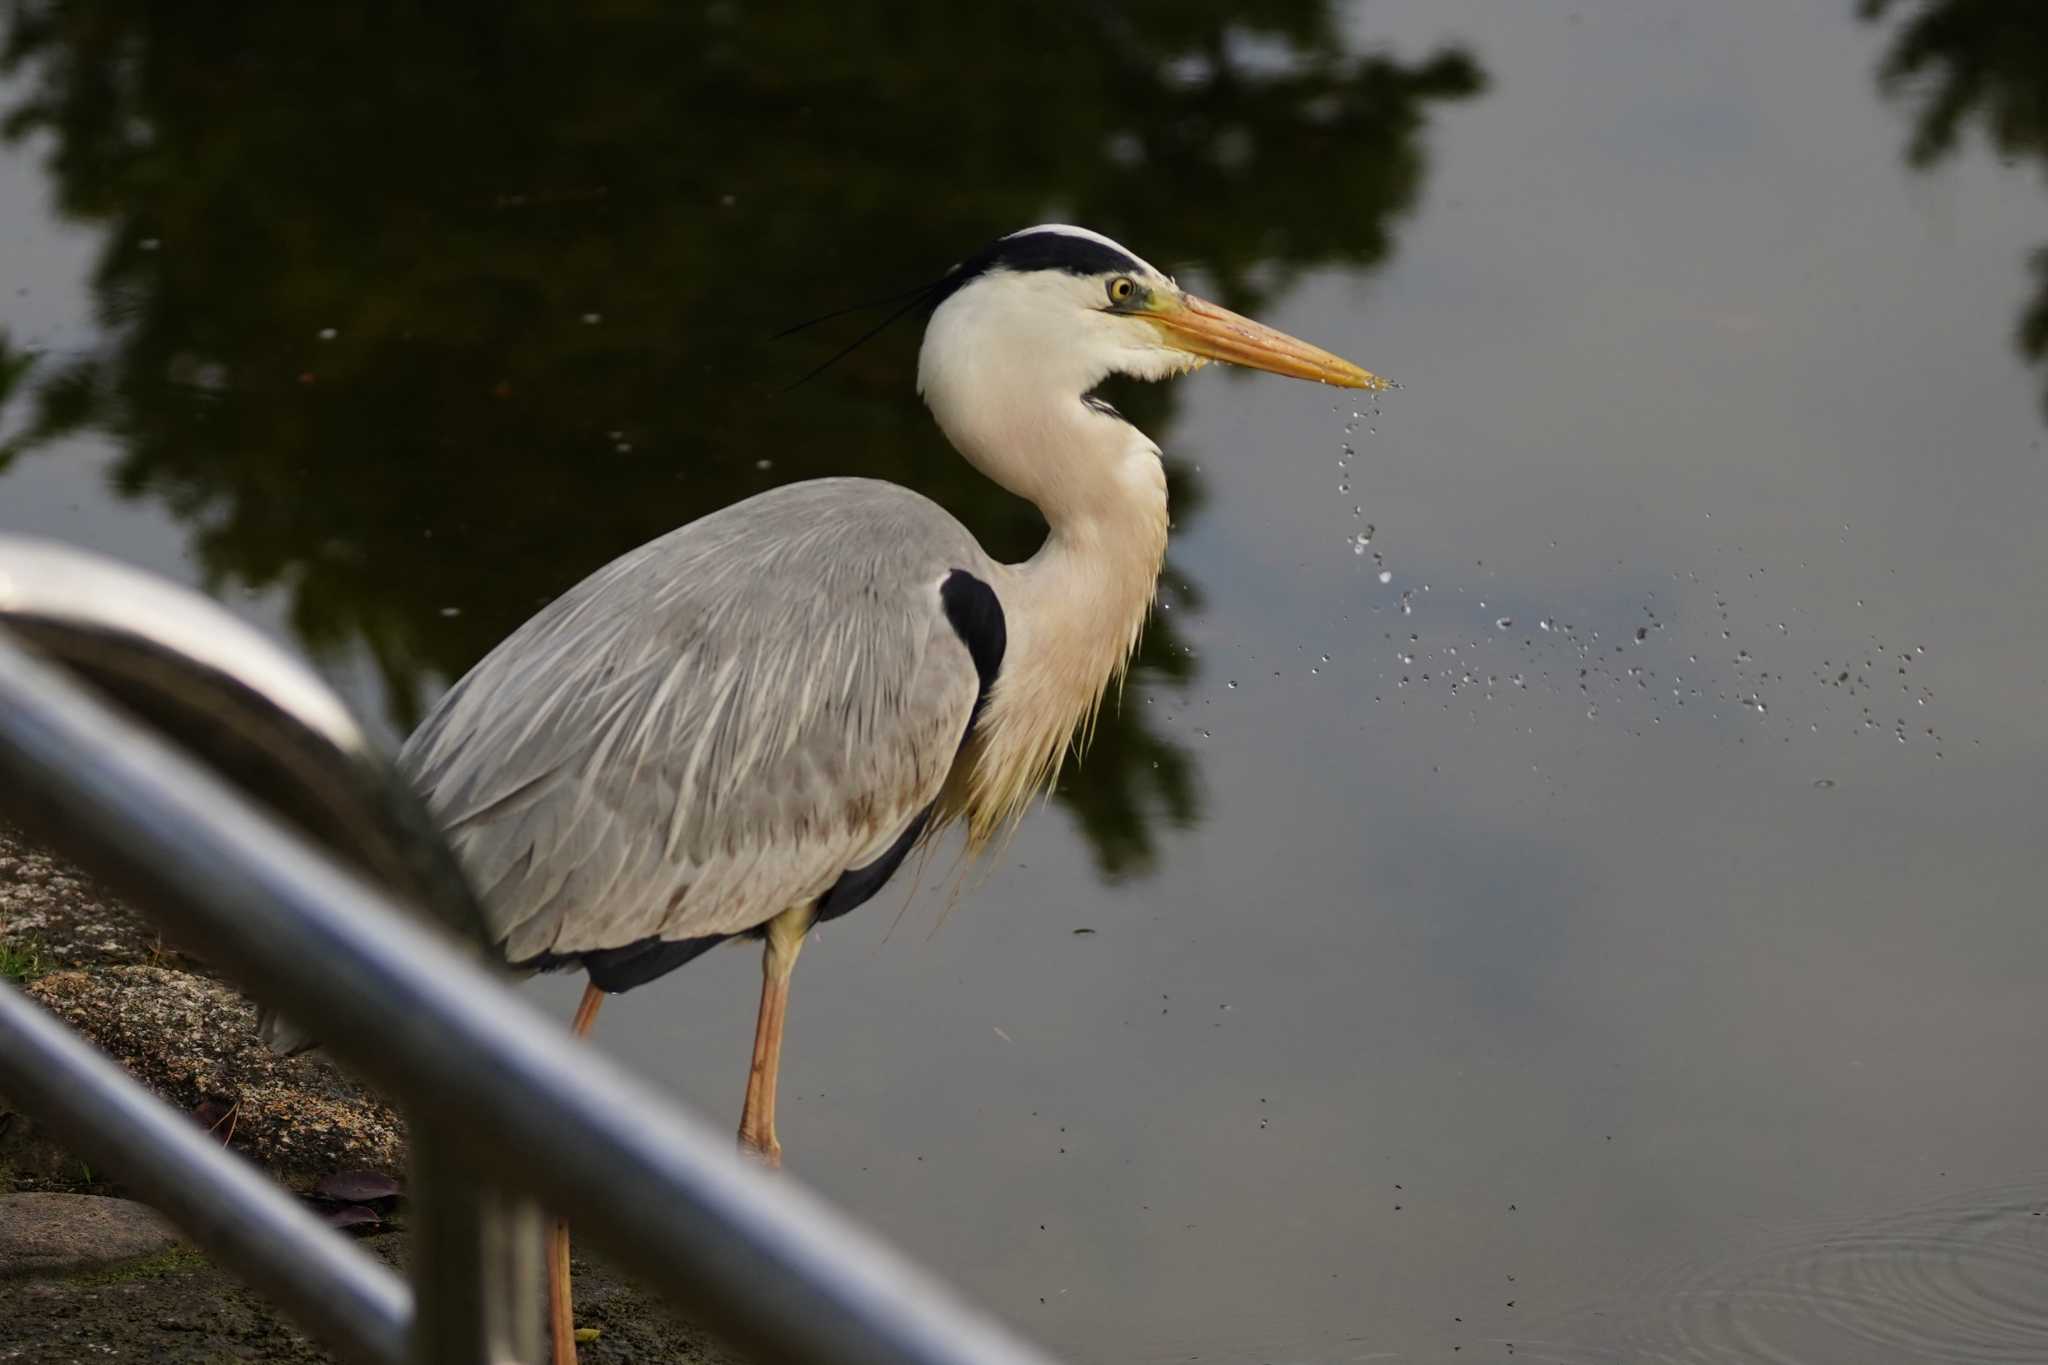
(711, 728)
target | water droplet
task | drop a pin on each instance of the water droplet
(1504, 623)
(1824, 783)
(327, 334)
(1233, 684)
(764, 464)
(592, 319)
(1386, 576)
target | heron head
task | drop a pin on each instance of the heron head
(1061, 307)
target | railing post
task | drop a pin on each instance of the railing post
(475, 1262)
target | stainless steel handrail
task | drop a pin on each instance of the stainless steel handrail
(760, 1260)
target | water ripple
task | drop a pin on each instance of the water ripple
(1963, 1280)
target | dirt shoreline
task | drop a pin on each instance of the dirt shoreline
(191, 1039)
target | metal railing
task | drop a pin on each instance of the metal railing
(504, 1107)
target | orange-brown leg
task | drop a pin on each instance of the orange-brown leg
(586, 1010)
(559, 1311)
(757, 1120)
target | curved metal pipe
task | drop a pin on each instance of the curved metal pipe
(222, 692)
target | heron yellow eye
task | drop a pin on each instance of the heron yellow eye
(1122, 289)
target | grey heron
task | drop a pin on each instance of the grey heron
(743, 727)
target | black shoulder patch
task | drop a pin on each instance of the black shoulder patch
(857, 884)
(1048, 250)
(976, 614)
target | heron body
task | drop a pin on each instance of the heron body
(744, 726)
(779, 708)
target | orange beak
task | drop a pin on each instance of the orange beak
(1199, 327)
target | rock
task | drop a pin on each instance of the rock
(59, 913)
(63, 1234)
(105, 971)
(194, 1042)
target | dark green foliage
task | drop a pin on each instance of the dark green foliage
(1981, 63)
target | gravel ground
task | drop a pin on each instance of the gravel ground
(178, 1310)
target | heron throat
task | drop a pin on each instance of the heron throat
(1075, 612)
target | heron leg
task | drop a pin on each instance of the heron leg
(785, 935)
(560, 1316)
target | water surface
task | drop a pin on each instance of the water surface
(1566, 872)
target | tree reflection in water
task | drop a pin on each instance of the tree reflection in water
(419, 317)
(1983, 63)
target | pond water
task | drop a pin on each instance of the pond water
(1565, 879)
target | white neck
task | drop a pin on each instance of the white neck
(1074, 610)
